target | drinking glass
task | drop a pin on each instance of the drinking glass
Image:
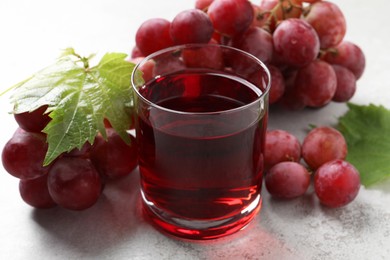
(201, 120)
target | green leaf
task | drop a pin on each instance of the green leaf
(79, 98)
(367, 132)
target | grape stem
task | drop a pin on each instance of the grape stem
(272, 13)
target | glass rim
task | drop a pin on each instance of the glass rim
(197, 45)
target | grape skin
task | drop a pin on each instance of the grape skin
(191, 26)
(316, 83)
(349, 55)
(153, 35)
(203, 4)
(280, 146)
(113, 158)
(23, 155)
(278, 85)
(346, 84)
(257, 42)
(328, 21)
(295, 42)
(287, 180)
(323, 144)
(74, 183)
(36, 193)
(33, 121)
(230, 17)
(336, 183)
(205, 57)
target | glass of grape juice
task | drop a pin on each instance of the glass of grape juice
(201, 119)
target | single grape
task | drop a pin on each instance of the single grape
(153, 35)
(287, 180)
(204, 57)
(230, 17)
(33, 121)
(328, 21)
(281, 146)
(74, 183)
(346, 84)
(255, 41)
(113, 158)
(191, 26)
(316, 83)
(35, 192)
(277, 84)
(23, 155)
(295, 42)
(336, 183)
(323, 144)
(349, 55)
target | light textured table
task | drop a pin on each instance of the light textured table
(32, 35)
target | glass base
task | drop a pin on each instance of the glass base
(200, 229)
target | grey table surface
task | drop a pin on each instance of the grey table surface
(32, 36)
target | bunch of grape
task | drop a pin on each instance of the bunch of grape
(324, 149)
(75, 180)
(301, 42)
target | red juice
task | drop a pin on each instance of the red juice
(201, 152)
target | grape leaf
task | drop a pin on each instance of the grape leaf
(367, 132)
(79, 97)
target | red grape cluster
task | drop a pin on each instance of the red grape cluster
(324, 149)
(301, 42)
(75, 180)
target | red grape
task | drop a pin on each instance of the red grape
(336, 183)
(113, 158)
(255, 41)
(191, 26)
(204, 57)
(153, 35)
(33, 121)
(287, 180)
(323, 144)
(316, 83)
(74, 183)
(346, 84)
(36, 193)
(168, 64)
(83, 152)
(277, 84)
(328, 21)
(295, 42)
(230, 17)
(203, 4)
(349, 55)
(146, 68)
(291, 98)
(135, 53)
(281, 146)
(24, 153)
